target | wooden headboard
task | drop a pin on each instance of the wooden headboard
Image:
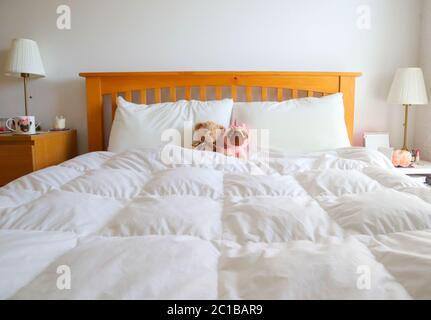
(166, 86)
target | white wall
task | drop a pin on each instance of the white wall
(423, 113)
(160, 35)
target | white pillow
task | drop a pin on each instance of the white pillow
(141, 126)
(298, 125)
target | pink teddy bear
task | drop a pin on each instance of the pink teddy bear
(236, 141)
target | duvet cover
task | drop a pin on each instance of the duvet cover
(183, 224)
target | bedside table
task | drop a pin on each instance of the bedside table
(23, 154)
(422, 169)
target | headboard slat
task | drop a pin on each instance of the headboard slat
(203, 93)
(158, 95)
(233, 93)
(143, 96)
(218, 93)
(264, 94)
(113, 103)
(173, 93)
(249, 94)
(313, 83)
(188, 93)
(279, 94)
(128, 95)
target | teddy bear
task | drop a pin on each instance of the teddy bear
(207, 135)
(236, 141)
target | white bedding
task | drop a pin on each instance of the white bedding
(318, 226)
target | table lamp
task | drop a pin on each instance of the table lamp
(24, 61)
(408, 88)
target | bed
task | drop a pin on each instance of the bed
(339, 224)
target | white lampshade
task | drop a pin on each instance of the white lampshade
(24, 57)
(408, 87)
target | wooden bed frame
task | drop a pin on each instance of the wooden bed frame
(99, 85)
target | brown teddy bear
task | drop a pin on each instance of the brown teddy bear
(206, 135)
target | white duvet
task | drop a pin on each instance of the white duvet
(333, 225)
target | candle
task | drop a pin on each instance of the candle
(60, 123)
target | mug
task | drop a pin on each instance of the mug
(22, 125)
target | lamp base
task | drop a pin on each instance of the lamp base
(25, 77)
(406, 121)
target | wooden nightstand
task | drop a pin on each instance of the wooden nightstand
(22, 154)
